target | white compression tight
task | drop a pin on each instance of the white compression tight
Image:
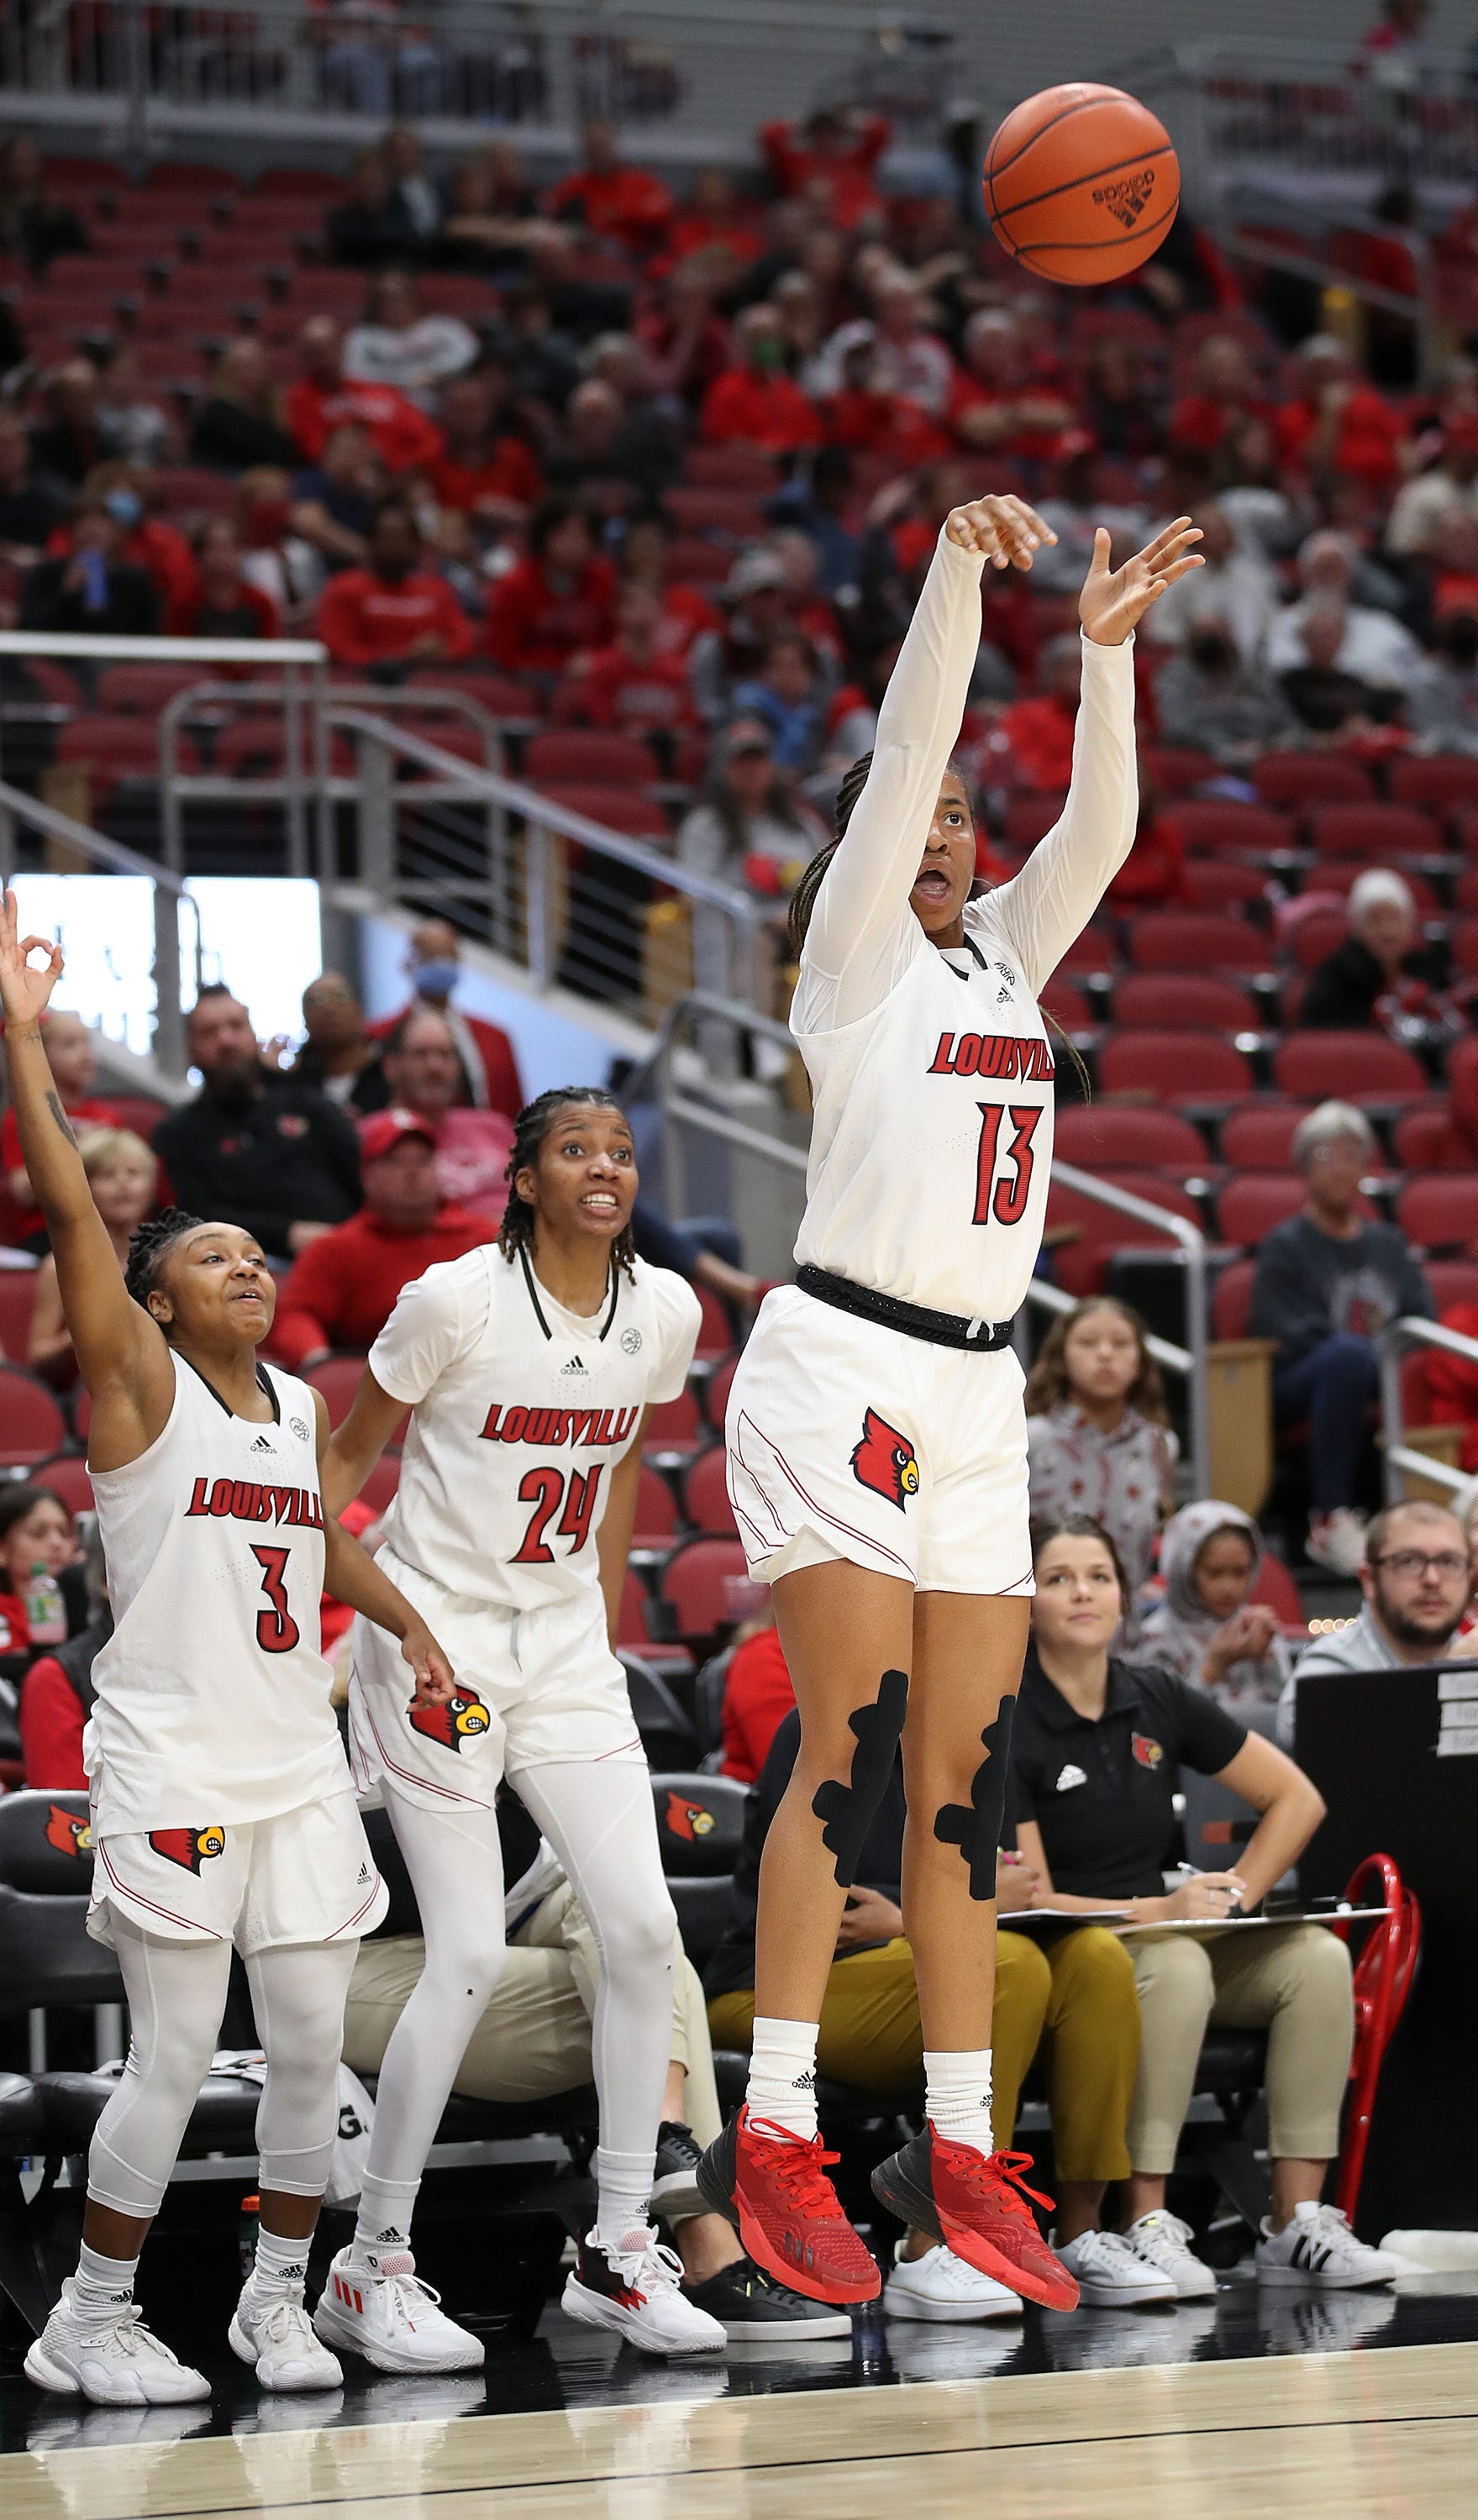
(176, 1994)
(599, 1820)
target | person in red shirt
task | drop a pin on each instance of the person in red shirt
(714, 215)
(995, 406)
(323, 398)
(1031, 742)
(685, 611)
(224, 605)
(756, 403)
(684, 345)
(1224, 393)
(146, 542)
(558, 599)
(483, 472)
(637, 684)
(758, 1697)
(488, 1078)
(1335, 422)
(861, 415)
(73, 1062)
(342, 1291)
(1153, 875)
(392, 614)
(624, 202)
(837, 148)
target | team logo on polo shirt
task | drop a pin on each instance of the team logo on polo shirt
(1148, 1753)
(886, 1461)
(189, 1848)
(1070, 1777)
(68, 1832)
(462, 1719)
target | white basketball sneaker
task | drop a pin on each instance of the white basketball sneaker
(115, 2361)
(388, 2316)
(1165, 2240)
(276, 2337)
(942, 2288)
(1317, 2247)
(636, 2291)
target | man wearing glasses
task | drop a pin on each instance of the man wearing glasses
(1416, 1580)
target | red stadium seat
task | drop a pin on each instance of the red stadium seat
(1174, 769)
(1184, 1002)
(1220, 884)
(1030, 817)
(146, 688)
(65, 1474)
(692, 561)
(1317, 934)
(1251, 1205)
(1426, 1139)
(498, 694)
(587, 757)
(1345, 1065)
(1090, 952)
(656, 1525)
(1301, 779)
(31, 1425)
(676, 1425)
(1091, 1135)
(1187, 940)
(1065, 1002)
(1231, 1299)
(715, 1331)
(705, 1496)
(188, 489)
(338, 1378)
(1453, 1281)
(379, 1487)
(1375, 833)
(139, 1113)
(1439, 1211)
(631, 1622)
(732, 468)
(1258, 1136)
(1440, 782)
(1340, 874)
(693, 1581)
(1081, 1265)
(699, 509)
(716, 1393)
(1276, 1588)
(18, 1295)
(1207, 823)
(1465, 945)
(1175, 1066)
(617, 809)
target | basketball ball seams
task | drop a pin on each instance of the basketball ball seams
(1065, 114)
(1091, 175)
(1026, 253)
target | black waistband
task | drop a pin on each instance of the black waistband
(916, 1321)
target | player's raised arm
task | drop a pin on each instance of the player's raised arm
(121, 1351)
(866, 891)
(1065, 878)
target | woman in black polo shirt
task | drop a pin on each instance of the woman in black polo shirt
(1096, 1751)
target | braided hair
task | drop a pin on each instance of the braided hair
(530, 1129)
(147, 1247)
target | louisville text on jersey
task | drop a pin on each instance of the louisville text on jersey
(993, 1054)
(591, 1427)
(251, 1500)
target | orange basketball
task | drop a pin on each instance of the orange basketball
(1081, 183)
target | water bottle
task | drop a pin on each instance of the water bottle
(45, 1609)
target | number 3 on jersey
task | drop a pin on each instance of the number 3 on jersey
(1003, 1201)
(544, 1489)
(277, 1631)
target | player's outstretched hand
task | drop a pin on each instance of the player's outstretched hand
(436, 1681)
(24, 991)
(1005, 528)
(1114, 600)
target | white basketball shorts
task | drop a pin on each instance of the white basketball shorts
(848, 1440)
(302, 1876)
(534, 1687)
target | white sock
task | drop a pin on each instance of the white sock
(102, 2287)
(958, 2094)
(623, 2193)
(783, 2075)
(280, 2268)
(382, 2225)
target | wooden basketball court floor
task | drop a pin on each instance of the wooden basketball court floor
(1365, 2407)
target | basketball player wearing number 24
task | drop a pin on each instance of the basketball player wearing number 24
(877, 1452)
(222, 1811)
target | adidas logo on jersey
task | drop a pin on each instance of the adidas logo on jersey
(574, 1366)
(262, 1445)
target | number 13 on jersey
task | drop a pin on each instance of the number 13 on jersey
(1000, 1199)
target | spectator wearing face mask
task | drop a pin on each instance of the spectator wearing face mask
(1208, 697)
(91, 588)
(488, 1078)
(755, 403)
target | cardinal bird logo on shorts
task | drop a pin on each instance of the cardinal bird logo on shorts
(188, 1847)
(1148, 1753)
(68, 1832)
(461, 1720)
(886, 1461)
(688, 1820)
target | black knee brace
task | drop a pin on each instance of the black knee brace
(849, 1811)
(975, 1826)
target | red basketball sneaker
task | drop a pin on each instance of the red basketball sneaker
(977, 2206)
(774, 2190)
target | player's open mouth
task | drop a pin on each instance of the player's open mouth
(248, 1295)
(600, 1202)
(933, 883)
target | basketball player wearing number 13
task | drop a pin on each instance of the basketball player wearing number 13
(877, 1453)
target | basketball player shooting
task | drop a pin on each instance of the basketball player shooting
(222, 1811)
(877, 1451)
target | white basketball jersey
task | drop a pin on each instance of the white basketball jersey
(521, 1412)
(212, 1701)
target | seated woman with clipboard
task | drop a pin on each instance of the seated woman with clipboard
(1097, 1747)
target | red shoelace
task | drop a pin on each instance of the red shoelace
(800, 2167)
(998, 2174)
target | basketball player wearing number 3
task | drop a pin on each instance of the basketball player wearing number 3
(877, 1453)
(222, 1812)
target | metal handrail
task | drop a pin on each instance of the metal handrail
(1412, 1330)
(114, 649)
(169, 891)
